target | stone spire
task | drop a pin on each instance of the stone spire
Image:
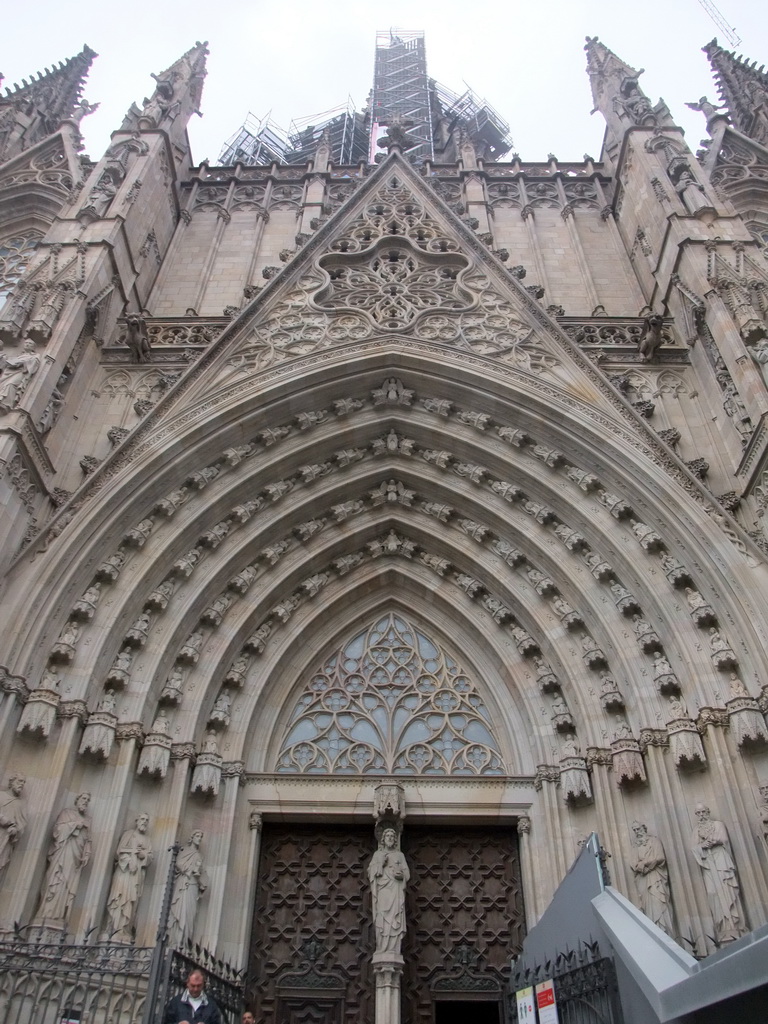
(177, 95)
(617, 93)
(743, 88)
(33, 110)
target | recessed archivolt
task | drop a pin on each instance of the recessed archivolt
(494, 596)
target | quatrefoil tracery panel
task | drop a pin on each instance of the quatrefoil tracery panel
(394, 283)
(390, 702)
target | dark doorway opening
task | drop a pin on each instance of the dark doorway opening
(464, 1011)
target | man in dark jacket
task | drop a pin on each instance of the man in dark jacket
(193, 1006)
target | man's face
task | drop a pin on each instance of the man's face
(195, 985)
(17, 785)
(142, 822)
(248, 1018)
(82, 802)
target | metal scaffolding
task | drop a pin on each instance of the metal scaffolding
(347, 133)
(401, 88)
(487, 129)
(259, 141)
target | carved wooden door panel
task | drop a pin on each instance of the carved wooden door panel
(312, 935)
(464, 908)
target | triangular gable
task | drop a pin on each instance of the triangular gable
(396, 263)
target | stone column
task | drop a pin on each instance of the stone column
(387, 970)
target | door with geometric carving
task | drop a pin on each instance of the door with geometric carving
(464, 909)
(312, 940)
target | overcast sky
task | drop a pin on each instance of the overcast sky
(297, 58)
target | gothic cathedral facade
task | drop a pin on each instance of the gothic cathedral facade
(430, 488)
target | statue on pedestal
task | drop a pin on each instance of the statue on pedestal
(712, 851)
(652, 877)
(189, 884)
(132, 858)
(388, 875)
(13, 820)
(69, 852)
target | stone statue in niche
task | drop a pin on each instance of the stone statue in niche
(15, 375)
(189, 884)
(652, 877)
(84, 609)
(103, 192)
(665, 679)
(206, 778)
(712, 852)
(68, 854)
(99, 732)
(388, 875)
(721, 652)
(132, 858)
(764, 810)
(574, 777)
(13, 820)
(173, 690)
(222, 709)
(759, 353)
(692, 192)
(746, 720)
(156, 752)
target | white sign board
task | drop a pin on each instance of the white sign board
(545, 1003)
(526, 1012)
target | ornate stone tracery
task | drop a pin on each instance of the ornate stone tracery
(390, 702)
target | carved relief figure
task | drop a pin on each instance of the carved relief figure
(712, 851)
(69, 852)
(652, 877)
(189, 884)
(388, 875)
(16, 374)
(132, 858)
(13, 820)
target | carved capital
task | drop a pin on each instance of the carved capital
(14, 684)
(524, 825)
(130, 731)
(255, 821)
(233, 769)
(711, 716)
(183, 751)
(599, 755)
(546, 773)
(653, 738)
(73, 709)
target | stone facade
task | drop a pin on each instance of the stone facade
(454, 474)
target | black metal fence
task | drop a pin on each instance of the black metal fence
(58, 983)
(586, 989)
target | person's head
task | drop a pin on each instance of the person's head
(640, 830)
(142, 822)
(764, 791)
(701, 812)
(16, 783)
(82, 801)
(197, 837)
(389, 838)
(195, 983)
(248, 1018)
